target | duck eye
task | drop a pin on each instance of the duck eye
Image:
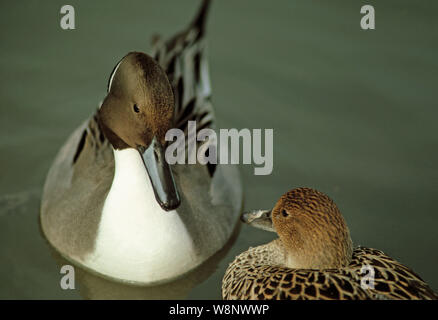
(136, 109)
(284, 213)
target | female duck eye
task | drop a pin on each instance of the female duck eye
(136, 109)
(284, 213)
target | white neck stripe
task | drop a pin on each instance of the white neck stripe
(112, 75)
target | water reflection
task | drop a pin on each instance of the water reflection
(92, 286)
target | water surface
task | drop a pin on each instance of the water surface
(354, 115)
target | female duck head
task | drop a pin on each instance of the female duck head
(311, 229)
(136, 113)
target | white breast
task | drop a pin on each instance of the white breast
(137, 240)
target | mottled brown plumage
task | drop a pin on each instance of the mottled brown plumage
(313, 259)
(310, 224)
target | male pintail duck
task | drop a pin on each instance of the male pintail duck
(314, 258)
(112, 204)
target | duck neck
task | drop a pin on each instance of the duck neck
(131, 192)
(129, 167)
(317, 256)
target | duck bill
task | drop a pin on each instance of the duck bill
(261, 219)
(161, 176)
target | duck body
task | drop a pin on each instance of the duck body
(313, 258)
(260, 273)
(101, 208)
(117, 229)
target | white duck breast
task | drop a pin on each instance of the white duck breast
(137, 240)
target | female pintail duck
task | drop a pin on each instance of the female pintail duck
(314, 258)
(112, 204)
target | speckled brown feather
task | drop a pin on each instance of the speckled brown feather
(391, 278)
(252, 276)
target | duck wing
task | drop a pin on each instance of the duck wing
(258, 274)
(250, 276)
(281, 283)
(75, 190)
(392, 279)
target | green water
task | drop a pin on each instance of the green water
(354, 115)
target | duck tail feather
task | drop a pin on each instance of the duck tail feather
(184, 59)
(200, 19)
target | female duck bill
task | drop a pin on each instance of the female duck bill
(261, 219)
